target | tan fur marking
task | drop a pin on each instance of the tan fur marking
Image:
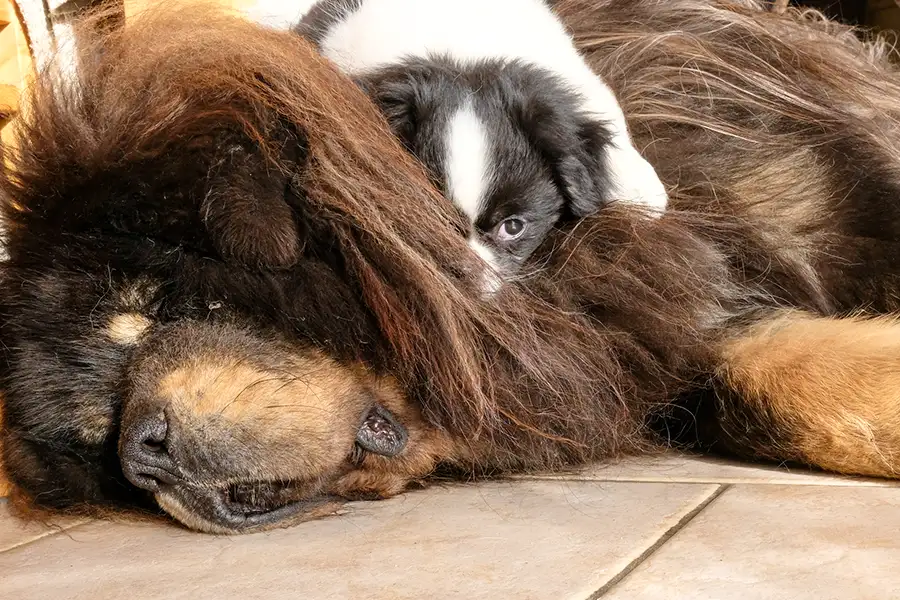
(284, 420)
(308, 393)
(833, 384)
(304, 419)
(127, 328)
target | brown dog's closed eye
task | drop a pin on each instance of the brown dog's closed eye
(381, 433)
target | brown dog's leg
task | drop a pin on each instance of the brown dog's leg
(817, 390)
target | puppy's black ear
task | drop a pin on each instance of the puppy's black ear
(397, 96)
(574, 148)
(246, 208)
(583, 172)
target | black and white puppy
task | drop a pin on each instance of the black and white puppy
(493, 97)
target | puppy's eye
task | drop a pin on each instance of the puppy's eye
(511, 229)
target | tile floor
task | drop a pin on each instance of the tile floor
(670, 527)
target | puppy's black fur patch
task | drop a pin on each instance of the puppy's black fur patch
(324, 15)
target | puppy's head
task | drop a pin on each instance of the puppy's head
(507, 143)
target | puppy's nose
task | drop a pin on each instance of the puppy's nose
(144, 451)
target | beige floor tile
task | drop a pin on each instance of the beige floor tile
(770, 542)
(15, 532)
(686, 468)
(529, 539)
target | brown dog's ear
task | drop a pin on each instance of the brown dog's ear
(246, 211)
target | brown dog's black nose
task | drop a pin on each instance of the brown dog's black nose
(144, 451)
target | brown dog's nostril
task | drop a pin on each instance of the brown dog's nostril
(155, 441)
(144, 452)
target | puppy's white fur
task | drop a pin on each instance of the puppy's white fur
(278, 14)
(384, 32)
(468, 161)
(468, 177)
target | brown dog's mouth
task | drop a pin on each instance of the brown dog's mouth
(260, 498)
(243, 507)
(256, 505)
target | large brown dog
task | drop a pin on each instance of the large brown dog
(232, 296)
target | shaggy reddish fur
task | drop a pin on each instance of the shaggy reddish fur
(783, 173)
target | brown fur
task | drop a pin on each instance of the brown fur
(812, 394)
(816, 390)
(784, 176)
(5, 486)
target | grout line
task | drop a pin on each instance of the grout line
(708, 480)
(54, 531)
(665, 537)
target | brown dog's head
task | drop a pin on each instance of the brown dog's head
(201, 299)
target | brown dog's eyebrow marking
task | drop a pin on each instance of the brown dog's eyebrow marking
(127, 328)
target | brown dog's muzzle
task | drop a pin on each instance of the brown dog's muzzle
(234, 433)
(154, 458)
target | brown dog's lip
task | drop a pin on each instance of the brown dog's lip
(212, 509)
